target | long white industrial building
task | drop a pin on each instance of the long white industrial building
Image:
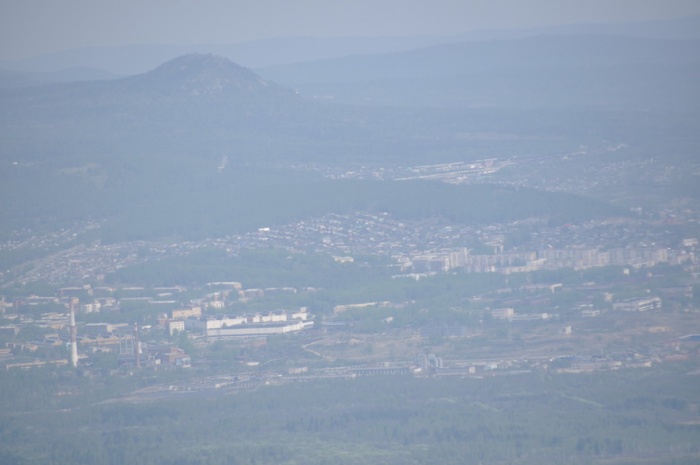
(250, 325)
(261, 329)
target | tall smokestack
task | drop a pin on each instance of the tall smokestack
(73, 334)
(137, 349)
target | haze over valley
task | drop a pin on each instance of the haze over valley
(475, 248)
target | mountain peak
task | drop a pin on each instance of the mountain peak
(204, 74)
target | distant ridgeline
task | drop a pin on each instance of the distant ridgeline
(145, 152)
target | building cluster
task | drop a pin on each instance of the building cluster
(455, 173)
(60, 344)
(509, 314)
(60, 337)
(644, 304)
(577, 258)
(243, 325)
(426, 245)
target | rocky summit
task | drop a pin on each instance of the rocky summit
(201, 75)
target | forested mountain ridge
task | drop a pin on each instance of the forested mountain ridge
(546, 71)
(134, 59)
(544, 51)
(163, 152)
(199, 74)
(184, 77)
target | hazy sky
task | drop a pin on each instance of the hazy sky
(32, 27)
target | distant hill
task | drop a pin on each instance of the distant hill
(200, 101)
(190, 75)
(201, 146)
(676, 29)
(200, 75)
(135, 59)
(555, 71)
(541, 52)
(191, 79)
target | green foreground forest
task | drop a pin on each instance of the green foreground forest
(631, 416)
